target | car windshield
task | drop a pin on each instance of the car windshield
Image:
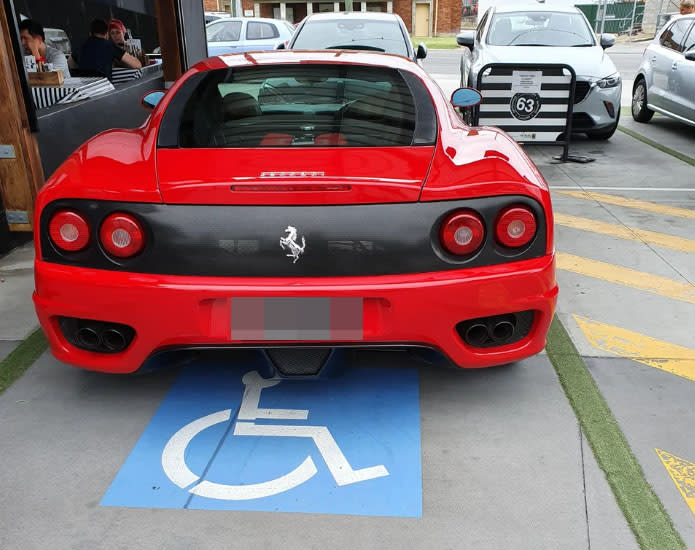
(539, 29)
(349, 34)
(300, 106)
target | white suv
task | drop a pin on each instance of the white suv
(665, 82)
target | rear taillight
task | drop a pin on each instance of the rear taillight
(122, 235)
(462, 233)
(515, 227)
(69, 230)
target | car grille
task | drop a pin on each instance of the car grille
(581, 90)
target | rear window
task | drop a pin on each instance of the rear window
(352, 34)
(299, 106)
(224, 31)
(260, 31)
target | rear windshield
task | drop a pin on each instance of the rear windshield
(299, 106)
(538, 28)
(352, 34)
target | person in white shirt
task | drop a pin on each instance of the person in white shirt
(33, 42)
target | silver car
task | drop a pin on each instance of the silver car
(540, 33)
(371, 31)
(665, 82)
(244, 34)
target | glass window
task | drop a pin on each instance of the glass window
(689, 43)
(260, 31)
(299, 106)
(674, 36)
(223, 31)
(539, 29)
(352, 34)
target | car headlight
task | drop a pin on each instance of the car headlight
(610, 81)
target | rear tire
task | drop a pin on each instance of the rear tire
(640, 111)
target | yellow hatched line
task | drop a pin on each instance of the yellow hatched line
(682, 472)
(640, 280)
(631, 203)
(644, 349)
(622, 232)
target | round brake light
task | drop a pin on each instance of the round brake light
(462, 233)
(122, 235)
(69, 230)
(515, 227)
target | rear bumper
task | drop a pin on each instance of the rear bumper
(174, 311)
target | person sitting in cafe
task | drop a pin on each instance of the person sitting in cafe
(98, 54)
(117, 32)
(33, 42)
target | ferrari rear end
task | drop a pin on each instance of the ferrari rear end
(296, 200)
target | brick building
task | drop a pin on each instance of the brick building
(422, 17)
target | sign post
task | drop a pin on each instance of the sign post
(531, 102)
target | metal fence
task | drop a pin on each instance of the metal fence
(620, 17)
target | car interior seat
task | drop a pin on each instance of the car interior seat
(378, 119)
(238, 105)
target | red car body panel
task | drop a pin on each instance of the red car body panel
(361, 176)
(168, 311)
(177, 311)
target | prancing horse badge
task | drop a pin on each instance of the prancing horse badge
(290, 243)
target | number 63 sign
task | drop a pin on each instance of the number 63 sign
(525, 106)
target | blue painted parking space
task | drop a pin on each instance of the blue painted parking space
(225, 438)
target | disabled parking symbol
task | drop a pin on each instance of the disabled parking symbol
(227, 438)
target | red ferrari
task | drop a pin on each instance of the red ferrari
(296, 201)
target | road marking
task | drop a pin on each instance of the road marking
(644, 349)
(575, 188)
(640, 280)
(224, 439)
(682, 473)
(632, 203)
(628, 233)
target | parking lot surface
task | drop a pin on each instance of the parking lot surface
(417, 455)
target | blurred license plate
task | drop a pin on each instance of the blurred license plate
(307, 318)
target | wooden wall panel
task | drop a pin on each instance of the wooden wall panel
(20, 177)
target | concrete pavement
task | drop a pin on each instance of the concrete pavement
(503, 459)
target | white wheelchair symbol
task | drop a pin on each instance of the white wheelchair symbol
(174, 464)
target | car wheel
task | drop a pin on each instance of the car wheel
(640, 111)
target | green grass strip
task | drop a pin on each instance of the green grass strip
(643, 510)
(436, 42)
(659, 146)
(21, 358)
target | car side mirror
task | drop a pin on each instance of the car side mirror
(607, 40)
(150, 100)
(690, 56)
(466, 38)
(421, 51)
(466, 97)
(280, 46)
